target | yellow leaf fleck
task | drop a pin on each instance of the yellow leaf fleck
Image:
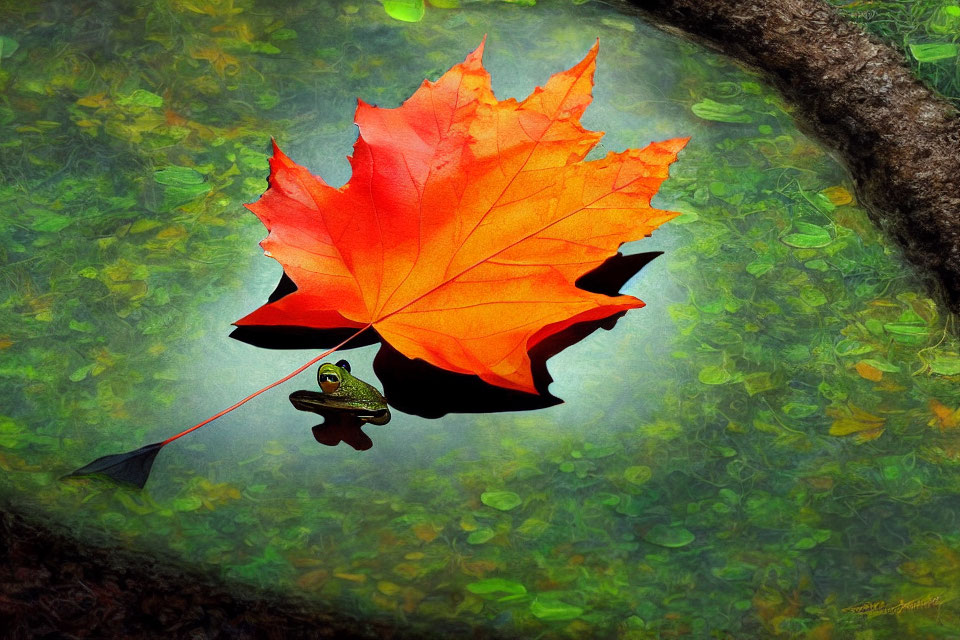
(838, 195)
(352, 577)
(426, 531)
(943, 416)
(222, 62)
(388, 588)
(867, 436)
(868, 371)
(96, 100)
(408, 570)
(852, 419)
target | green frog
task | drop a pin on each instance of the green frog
(346, 404)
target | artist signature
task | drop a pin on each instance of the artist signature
(881, 607)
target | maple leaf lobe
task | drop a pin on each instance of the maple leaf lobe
(465, 224)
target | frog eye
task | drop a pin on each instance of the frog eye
(329, 382)
(343, 364)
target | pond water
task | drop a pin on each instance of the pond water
(771, 441)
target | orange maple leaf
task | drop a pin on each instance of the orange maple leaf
(465, 224)
(459, 238)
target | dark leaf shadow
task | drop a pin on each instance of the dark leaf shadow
(346, 429)
(418, 388)
(291, 337)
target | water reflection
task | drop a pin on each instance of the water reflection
(418, 388)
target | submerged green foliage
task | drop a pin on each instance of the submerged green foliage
(927, 31)
(772, 440)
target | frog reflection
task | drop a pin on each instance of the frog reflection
(346, 404)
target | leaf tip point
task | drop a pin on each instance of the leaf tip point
(676, 144)
(593, 51)
(278, 154)
(476, 56)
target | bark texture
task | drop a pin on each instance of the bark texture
(900, 141)
(53, 587)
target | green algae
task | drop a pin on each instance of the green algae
(784, 407)
(927, 31)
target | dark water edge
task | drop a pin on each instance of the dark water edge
(751, 454)
(51, 586)
(900, 141)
